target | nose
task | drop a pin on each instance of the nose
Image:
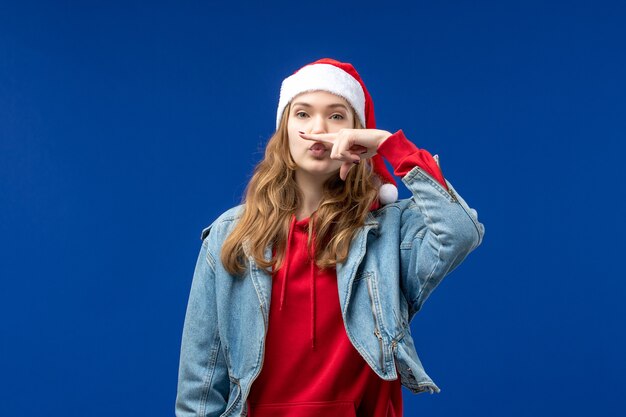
(318, 124)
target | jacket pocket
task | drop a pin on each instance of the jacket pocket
(304, 409)
(374, 298)
(234, 396)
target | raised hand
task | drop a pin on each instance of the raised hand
(350, 145)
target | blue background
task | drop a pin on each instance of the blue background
(127, 127)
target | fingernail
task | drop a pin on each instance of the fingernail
(299, 131)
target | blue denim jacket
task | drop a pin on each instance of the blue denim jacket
(396, 259)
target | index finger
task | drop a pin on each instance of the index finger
(320, 137)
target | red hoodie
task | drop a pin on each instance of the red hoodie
(310, 366)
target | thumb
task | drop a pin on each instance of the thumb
(345, 169)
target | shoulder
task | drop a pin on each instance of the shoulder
(392, 210)
(224, 221)
(402, 216)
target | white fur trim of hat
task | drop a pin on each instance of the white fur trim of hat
(322, 77)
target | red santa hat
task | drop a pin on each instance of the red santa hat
(339, 78)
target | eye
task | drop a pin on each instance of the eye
(302, 114)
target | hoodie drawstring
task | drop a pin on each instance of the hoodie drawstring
(287, 262)
(312, 274)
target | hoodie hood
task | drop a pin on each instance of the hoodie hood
(294, 252)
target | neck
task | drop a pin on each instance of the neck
(311, 188)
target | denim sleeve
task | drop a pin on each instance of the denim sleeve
(203, 383)
(449, 230)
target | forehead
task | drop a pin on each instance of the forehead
(319, 97)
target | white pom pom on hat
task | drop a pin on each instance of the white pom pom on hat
(342, 79)
(388, 193)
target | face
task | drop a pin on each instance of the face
(316, 112)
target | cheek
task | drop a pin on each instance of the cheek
(293, 125)
(293, 145)
(295, 141)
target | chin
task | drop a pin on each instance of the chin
(319, 172)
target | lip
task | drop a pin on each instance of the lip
(318, 143)
(318, 151)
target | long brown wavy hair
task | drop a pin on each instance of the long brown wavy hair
(272, 197)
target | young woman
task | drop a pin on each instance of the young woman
(302, 296)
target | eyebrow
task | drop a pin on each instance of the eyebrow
(330, 106)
